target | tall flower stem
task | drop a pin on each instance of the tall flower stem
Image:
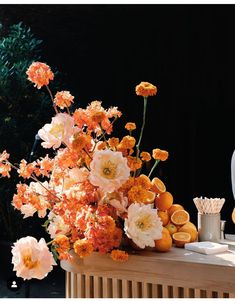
(152, 169)
(51, 96)
(142, 130)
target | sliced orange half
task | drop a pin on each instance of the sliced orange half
(181, 238)
(233, 216)
(158, 186)
(180, 217)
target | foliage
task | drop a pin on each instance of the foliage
(21, 112)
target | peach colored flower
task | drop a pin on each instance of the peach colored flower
(130, 126)
(5, 167)
(159, 154)
(118, 255)
(60, 130)
(32, 259)
(115, 199)
(109, 170)
(83, 248)
(63, 99)
(145, 156)
(40, 74)
(56, 225)
(146, 89)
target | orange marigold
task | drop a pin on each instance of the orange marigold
(146, 89)
(130, 126)
(137, 194)
(118, 255)
(159, 154)
(133, 163)
(63, 99)
(83, 248)
(40, 74)
(145, 156)
(127, 142)
(113, 142)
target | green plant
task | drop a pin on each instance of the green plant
(22, 112)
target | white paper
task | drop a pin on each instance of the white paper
(206, 247)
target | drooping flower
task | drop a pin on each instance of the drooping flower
(159, 154)
(146, 89)
(32, 259)
(109, 170)
(143, 225)
(83, 248)
(63, 99)
(40, 74)
(119, 255)
(60, 130)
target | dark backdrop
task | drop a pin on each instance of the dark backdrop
(104, 51)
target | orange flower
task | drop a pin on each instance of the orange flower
(145, 156)
(107, 222)
(26, 170)
(130, 126)
(98, 117)
(118, 255)
(5, 167)
(62, 245)
(133, 164)
(80, 141)
(63, 99)
(40, 74)
(137, 194)
(83, 248)
(127, 142)
(159, 154)
(113, 142)
(101, 145)
(146, 89)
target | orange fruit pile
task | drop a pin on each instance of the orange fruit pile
(177, 228)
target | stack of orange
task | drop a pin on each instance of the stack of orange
(177, 227)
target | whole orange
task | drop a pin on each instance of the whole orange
(165, 243)
(164, 217)
(171, 228)
(164, 201)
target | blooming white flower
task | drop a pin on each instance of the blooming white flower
(57, 225)
(143, 225)
(59, 130)
(109, 170)
(32, 259)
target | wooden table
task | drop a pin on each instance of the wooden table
(178, 273)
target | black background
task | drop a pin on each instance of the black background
(104, 51)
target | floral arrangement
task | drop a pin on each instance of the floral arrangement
(92, 190)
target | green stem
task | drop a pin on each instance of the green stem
(51, 96)
(154, 166)
(142, 130)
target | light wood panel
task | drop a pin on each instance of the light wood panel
(176, 274)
